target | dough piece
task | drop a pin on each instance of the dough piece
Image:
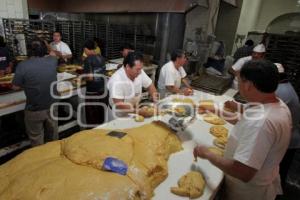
(216, 150)
(180, 110)
(146, 111)
(213, 119)
(220, 142)
(183, 100)
(6, 79)
(208, 104)
(190, 185)
(219, 131)
(139, 118)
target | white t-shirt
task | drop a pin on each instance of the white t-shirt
(239, 64)
(62, 47)
(121, 87)
(260, 141)
(170, 76)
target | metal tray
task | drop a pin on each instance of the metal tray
(212, 84)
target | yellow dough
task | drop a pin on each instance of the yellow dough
(183, 100)
(180, 110)
(206, 104)
(219, 131)
(217, 151)
(139, 118)
(147, 111)
(7, 78)
(213, 119)
(220, 142)
(71, 168)
(190, 185)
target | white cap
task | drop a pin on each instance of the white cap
(279, 67)
(260, 48)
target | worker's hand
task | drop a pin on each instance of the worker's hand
(146, 111)
(58, 53)
(200, 151)
(188, 91)
(231, 106)
(52, 53)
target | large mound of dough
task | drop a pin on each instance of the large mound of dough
(71, 168)
(190, 185)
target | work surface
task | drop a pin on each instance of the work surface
(182, 162)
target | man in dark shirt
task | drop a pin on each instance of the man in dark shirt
(94, 66)
(35, 76)
(244, 51)
(5, 61)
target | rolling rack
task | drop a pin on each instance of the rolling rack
(285, 49)
(74, 33)
(20, 32)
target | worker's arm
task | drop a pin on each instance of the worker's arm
(121, 105)
(173, 89)
(228, 166)
(60, 55)
(67, 56)
(232, 71)
(186, 83)
(153, 92)
(234, 106)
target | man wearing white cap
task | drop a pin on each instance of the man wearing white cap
(288, 95)
(258, 53)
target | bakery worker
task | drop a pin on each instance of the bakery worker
(59, 48)
(5, 61)
(125, 49)
(126, 84)
(40, 126)
(258, 53)
(172, 75)
(259, 139)
(244, 51)
(288, 95)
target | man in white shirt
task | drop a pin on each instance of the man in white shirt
(125, 85)
(258, 141)
(172, 74)
(59, 48)
(258, 53)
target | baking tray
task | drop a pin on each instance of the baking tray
(216, 85)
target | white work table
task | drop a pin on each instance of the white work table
(181, 162)
(16, 101)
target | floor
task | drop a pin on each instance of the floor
(293, 187)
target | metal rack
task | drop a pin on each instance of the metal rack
(74, 33)
(285, 49)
